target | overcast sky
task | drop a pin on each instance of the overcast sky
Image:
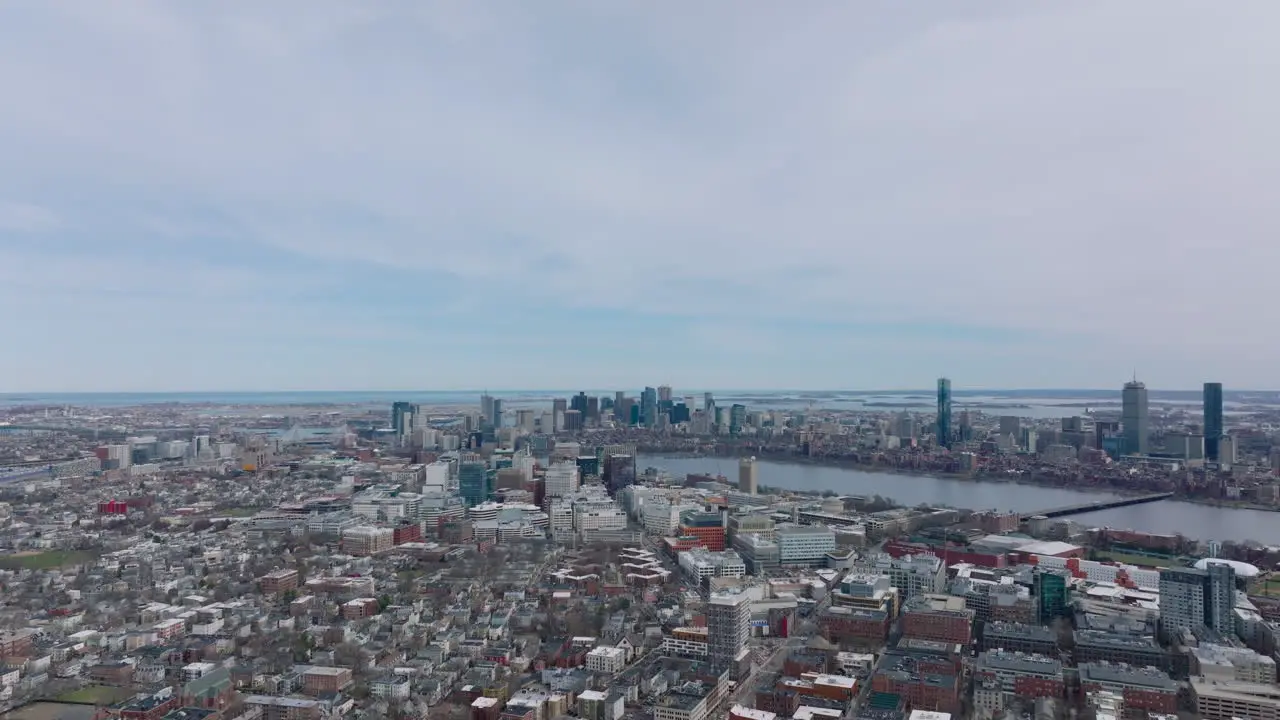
(394, 195)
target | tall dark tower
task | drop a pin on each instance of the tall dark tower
(1212, 420)
(944, 412)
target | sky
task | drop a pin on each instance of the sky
(320, 194)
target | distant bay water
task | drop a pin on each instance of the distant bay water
(1022, 403)
(1201, 522)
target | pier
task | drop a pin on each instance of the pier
(1066, 510)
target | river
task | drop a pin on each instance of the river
(1202, 522)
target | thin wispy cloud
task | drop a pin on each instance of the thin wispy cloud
(1011, 194)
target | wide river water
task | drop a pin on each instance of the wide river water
(1202, 522)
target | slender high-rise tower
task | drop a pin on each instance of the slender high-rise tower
(944, 412)
(747, 477)
(1212, 420)
(1134, 418)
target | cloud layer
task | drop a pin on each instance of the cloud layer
(439, 195)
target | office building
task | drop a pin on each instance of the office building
(401, 415)
(1213, 429)
(728, 627)
(562, 480)
(649, 407)
(1135, 418)
(473, 482)
(619, 472)
(804, 545)
(1011, 425)
(1050, 590)
(747, 476)
(944, 413)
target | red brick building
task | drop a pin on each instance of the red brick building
(852, 625)
(279, 581)
(1142, 688)
(943, 618)
(360, 608)
(319, 680)
(899, 673)
(409, 532)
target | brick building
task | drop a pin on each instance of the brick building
(844, 625)
(360, 608)
(933, 688)
(317, 680)
(279, 581)
(938, 617)
(1146, 689)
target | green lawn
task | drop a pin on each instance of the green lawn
(1133, 559)
(236, 512)
(1267, 587)
(45, 560)
(95, 694)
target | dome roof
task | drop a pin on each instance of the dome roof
(1243, 569)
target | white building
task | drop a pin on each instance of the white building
(699, 564)
(804, 545)
(562, 480)
(605, 659)
(588, 519)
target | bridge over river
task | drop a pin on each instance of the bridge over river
(1082, 508)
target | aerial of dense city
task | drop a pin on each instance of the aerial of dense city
(534, 556)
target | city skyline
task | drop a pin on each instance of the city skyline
(290, 197)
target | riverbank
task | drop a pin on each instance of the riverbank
(1029, 481)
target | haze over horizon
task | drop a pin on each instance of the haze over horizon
(294, 195)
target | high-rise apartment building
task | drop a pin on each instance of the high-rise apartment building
(1134, 418)
(1190, 597)
(728, 627)
(944, 412)
(1212, 420)
(748, 475)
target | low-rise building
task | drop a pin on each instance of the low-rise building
(605, 659)
(1146, 689)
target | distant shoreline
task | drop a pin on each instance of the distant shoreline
(937, 475)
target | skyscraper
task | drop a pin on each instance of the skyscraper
(496, 420)
(747, 475)
(728, 627)
(664, 393)
(944, 412)
(649, 407)
(401, 415)
(1134, 418)
(473, 482)
(1212, 420)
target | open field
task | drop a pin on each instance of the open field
(236, 512)
(96, 694)
(46, 560)
(1133, 559)
(1266, 586)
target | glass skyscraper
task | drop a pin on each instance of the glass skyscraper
(1134, 418)
(1212, 420)
(944, 412)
